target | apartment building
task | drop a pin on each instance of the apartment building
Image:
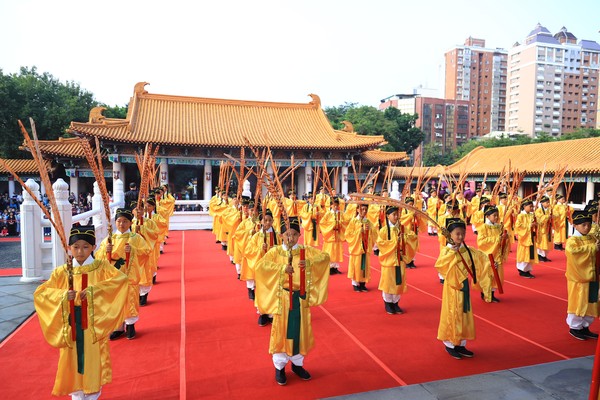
(552, 83)
(477, 74)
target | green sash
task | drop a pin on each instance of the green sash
(79, 340)
(466, 296)
(293, 329)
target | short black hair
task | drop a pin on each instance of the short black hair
(132, 185)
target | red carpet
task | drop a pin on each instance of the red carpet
(221, 352)
(11, 272)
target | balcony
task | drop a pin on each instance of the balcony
(557, 88)
(538, 128)
(555, 121)
(539, 95)
(540, 77)
(557, 97)
(556, 113)
(538, 112)
(556, 105)
(557, 79)
(538, 120)
(555, 130)
(540, 86)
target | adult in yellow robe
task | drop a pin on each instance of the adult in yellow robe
(507, 213)
(526, 230)
(456, 317)
(395, 250)
(213, 205)
(161, 228)
(543, 236)
(123, 241)
(361, 236)
(292, 205)
(84, 364)
(291, 332)
(243, 233)
(561, 213)
(582, 279)
(333, 225)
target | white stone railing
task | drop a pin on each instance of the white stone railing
(192, 218)
(39, 257)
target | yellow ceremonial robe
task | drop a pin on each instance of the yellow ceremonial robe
(106, 296)
(293, 207)
(361, 236)
(581, 276)
(433, 209)
(255, 251)
(212, 206)
(526, 249)
(310, 216)
(477, 220)
(273, 297)
(332, 227)
(488, 241)
(412, 224)
(560, 213)
(394, 252)
(456, 317)
(133, 269)
(507, 217)
(148, 261)
(242, 234)
(542, 240)
(473, 205)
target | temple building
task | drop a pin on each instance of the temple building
(536, 160)
(195, 135)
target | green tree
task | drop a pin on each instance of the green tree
(397, 128)
(51, 104)
(405, 136)
(432, 156)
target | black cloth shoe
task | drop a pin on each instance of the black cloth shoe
(223, 246)
(586, 331)
(453, 352)
(526, 275)
(154, 280)
(494, 298)
(143, 300)
(363, 287)
(462, 350)
(218, 241)
(411, 265)
(161, 252)
(397, 308)
(130, 329)
(442, 281)
(116, 334)
(389, 308)
(578, 334)
(251, 294)
(238, 277)
(263, 319)
(280, 376)
(301, 372)
(558, 246)
(356, 288)
(376, 252)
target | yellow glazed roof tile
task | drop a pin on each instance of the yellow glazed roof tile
(196, 121)
(22, 166)
(378, 157)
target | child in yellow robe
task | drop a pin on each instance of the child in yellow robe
(258, 245)
(310, 215)
(582, 277)
(434, 204)
(279, 292)
(395, 251)
(125, 253)
(84, 362)
(526, 230)
(493, 239)
(147, 228)
(561, 214)
(412, 223)
(506, 212)
(360, 235)
(543, 236)
(457, 263)
(333, 225)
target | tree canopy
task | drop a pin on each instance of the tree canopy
(397, 128)
(51, 103)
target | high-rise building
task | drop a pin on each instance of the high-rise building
(552, 83)
(443, 121)
(478, 75)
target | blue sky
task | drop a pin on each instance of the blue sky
(344, 51)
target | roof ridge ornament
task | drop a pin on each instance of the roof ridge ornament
(348, 127)
(139, 88)
(316, 100)
(96, 116)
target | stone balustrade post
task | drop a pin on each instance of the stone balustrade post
(61, 194)
(31, 235)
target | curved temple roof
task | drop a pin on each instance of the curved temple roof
(197, 121)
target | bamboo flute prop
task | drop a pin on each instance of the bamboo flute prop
(568, 188)
(54, 218)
